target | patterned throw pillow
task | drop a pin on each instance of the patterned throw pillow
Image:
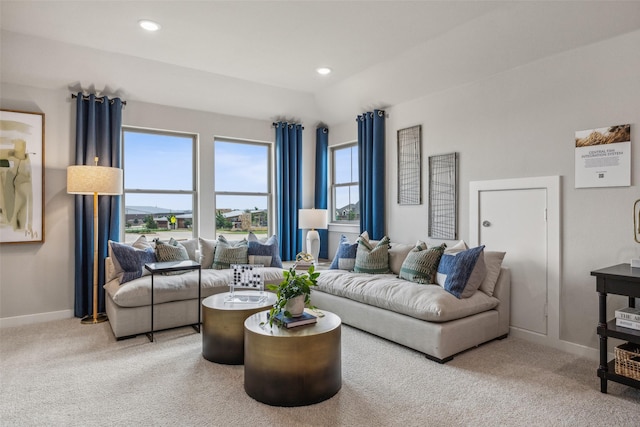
(372, 259)
(228, 253)
(131, 260)
(345, 258)
(455, 272)
(140, 243)
(421, 264)
(267, 253)
(171, 251)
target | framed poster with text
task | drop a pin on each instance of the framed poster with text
(603, 157)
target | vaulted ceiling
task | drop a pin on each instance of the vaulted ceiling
(258, 58)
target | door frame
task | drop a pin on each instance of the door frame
(552, 186)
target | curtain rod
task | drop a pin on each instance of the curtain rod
(275, 124)
(98, 99)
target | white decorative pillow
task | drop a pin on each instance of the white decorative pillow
(191, 245)
(397, 254)
(207, 252)
(493, 261)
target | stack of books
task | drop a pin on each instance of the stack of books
(628, 318)
(292, 322)
(303, 265)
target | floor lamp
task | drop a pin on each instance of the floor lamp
(312, 219)
(96, 180)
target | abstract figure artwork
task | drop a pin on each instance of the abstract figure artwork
(21, 177)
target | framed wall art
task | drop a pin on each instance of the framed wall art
(410, 166)
(21, 177)
(443, 196)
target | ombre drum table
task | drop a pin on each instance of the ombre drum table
(223, 323)
(292, 367)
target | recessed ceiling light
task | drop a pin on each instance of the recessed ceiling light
(149, 25)
(323, 70)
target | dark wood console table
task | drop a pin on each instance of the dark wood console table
(619, 279)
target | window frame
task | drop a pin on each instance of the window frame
(333, 185)
(194, 176)
(270, 183)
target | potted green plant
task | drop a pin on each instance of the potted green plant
(293, 294)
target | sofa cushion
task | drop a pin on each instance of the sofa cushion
(345, 257)
(455, 272)
(426, 302)
(114, 270)
(207, 252)
(493, 263)
(421, 264)
(397, 254)
(191, 245)
(130, 260)
(228, 253)
(266, 253)
(372, 259)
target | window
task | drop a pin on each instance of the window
(159, 184)
(242, 188)
(344, 183)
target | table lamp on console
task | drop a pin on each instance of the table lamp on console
(312, 219)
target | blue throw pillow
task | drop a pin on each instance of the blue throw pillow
(454, 271)
(345, 258)
(131, 260)
(267, 253)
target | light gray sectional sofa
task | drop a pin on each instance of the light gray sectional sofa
(424, 317)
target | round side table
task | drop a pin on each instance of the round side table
(223, 324)
(292, 367)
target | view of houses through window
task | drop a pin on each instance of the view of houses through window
(242, 188)
(160, 193)
(159, 190)
(344, 183)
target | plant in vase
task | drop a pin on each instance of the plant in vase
(293, 294)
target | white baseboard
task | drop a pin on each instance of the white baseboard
(566, 346)
(7, 322)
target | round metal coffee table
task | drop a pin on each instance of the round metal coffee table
(292, 367)
(223, 324)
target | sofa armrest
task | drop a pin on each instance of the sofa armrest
(109, 270)
(502, 292)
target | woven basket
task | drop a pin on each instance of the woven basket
(628, 360)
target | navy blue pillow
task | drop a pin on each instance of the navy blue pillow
(267, 253)
(131, 260)
(345, 258)
(454, 270)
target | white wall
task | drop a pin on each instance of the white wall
(37, 280)
(521, 123)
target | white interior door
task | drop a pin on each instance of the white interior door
(514, 221)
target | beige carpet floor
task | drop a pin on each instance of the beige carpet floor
(63, 373)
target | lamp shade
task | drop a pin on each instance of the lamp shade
(312, 218)
(94, 179)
